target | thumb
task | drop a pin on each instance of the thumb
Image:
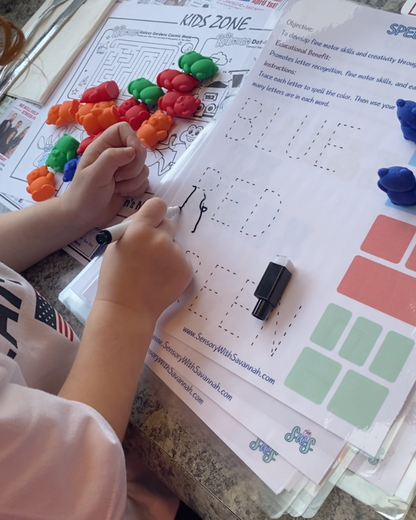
(151, 213)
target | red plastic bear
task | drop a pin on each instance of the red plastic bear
(178, 104)
(83, 145)
(133, 112)
(103, 92)
(126, 105)
(172, 79)
(184, 82)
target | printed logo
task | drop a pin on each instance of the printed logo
(268, 452)
(304, 439)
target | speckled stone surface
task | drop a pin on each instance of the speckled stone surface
(176, 444)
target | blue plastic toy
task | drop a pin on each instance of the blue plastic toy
(406, 112)
(399, 183)
(69, 169)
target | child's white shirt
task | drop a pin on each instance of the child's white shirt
(59, 459)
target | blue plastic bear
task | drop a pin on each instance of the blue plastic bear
(400, 185)
(406, 112)
(69, 169)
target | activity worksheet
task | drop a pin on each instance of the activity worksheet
(291, 170)
(141, 41)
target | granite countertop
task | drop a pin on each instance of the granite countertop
(176, 444)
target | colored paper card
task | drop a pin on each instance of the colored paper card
(360, 341)
(331, 326)
(358, 400)
(380, 287)
(313, 375)
(388, 238)
(391, 357)
(411, 261)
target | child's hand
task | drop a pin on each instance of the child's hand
(146, 270)
(111, 168)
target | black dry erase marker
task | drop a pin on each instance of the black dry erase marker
(113, 233)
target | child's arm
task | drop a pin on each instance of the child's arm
(112, 166)
(141, 275)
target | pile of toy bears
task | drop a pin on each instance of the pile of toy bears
(398, 182)
(171, 97)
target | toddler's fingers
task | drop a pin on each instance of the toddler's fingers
(109, 162)
(131, 170)
(120, 135)
(129, 186)
(139, 192)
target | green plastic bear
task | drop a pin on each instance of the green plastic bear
(204, 68)
(64, 150)
(137, 85)
(201, 67)
(150, 95)
(187, 60)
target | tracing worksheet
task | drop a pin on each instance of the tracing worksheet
(141, 41)
(292, 170)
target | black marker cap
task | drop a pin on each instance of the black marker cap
(103, 237)
(272, 286)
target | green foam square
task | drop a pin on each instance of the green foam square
(312, 375)
(357, 400)
(330, 327)
(391, 356)
(360, 341)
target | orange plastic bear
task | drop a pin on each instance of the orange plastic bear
(61, 114)
(41, 185)
(155, 129)
(97, 117)
(83, 110)
(86, 108)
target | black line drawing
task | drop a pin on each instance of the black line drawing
(202, 209)
(189, 196)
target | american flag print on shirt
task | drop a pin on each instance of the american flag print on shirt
(47, 314)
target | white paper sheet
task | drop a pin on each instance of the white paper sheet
(292, 170)
(304, 444)
(264, 461)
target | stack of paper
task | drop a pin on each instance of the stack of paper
(311, 126)
(320, 393)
